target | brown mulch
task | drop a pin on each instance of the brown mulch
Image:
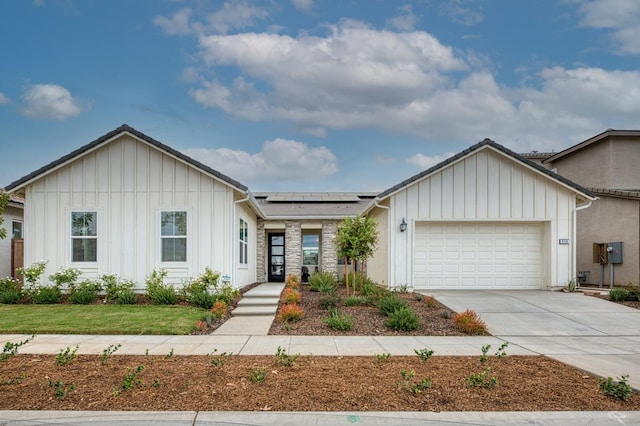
(313, 383)
(367, 320)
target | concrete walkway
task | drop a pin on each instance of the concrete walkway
(591, 334)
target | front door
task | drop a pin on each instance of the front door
(276, 257)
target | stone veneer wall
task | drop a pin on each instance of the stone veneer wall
(293, 248)
(261, 252)
(329, 259)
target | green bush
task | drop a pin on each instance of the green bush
(403, 319)
(157, 291)
(10, 291)
(46, 295)
(323, 282)
(65, 278)
(356, 301)
(338, 321)
(202, 299)
(618, 389)
(618, 294)
(85, 293)
(118, 290)
(328, 301)
(390, 303)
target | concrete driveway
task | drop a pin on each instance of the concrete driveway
(589, 333)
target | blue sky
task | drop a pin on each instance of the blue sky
(318, 95)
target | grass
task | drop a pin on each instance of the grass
(99, 319)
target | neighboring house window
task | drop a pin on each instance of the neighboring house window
(84, 236)
(16, 229)
(244, 242)
(173, 236)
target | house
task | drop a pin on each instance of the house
(11, 247)
(606, 164)
(128, 204)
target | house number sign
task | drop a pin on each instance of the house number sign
(564, 241)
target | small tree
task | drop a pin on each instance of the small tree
(356, 240)
(4, 201)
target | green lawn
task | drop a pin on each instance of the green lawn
(98, 319)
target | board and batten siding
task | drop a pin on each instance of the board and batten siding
(128, 183)
(486, 186)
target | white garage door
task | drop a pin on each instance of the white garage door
(478, 256)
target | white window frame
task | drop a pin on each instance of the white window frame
(243, 242)
(82, 237)
(174, 237)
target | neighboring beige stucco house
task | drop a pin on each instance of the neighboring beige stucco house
(608, 165)
(127, 204)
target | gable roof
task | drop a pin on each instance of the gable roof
(312, 205)
(595, 139)
(109, 137)
(488, 143)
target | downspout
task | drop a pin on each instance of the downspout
(574, 251)
(389, 267)
(234, 228)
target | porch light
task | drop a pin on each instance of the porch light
(403, 225)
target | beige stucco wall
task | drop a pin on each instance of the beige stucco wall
(589, 167)
(608, 220)
(378, 265)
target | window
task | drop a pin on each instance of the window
(244, 242)
(84, 236)
(16, 228)
(173, 236)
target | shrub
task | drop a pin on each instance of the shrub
(219, 309)
(290, 313)
(373, 291)
(618, 294)
(469, 322)
(290, 295)
(85, 293)
(157, 291)
(33, 273)
(431, 302)
(292, 281)
(202, 299)
(619, 389)
(403, 319)
(338, 321)
(390, 303)
(10, 291)
(117, 290)
(356, 301)
(328, 301)
(46, 295)
(323, 282)
(65, 278)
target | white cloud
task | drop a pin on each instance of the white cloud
(406, 20)
(303, 5)
(178, 24)
(49, 101)
(4, 99)
(279, 160)
(423, 162)
(622, 17)
(463, 12)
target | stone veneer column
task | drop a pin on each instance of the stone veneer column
(293, 248)
(329, 256)
(261, 252)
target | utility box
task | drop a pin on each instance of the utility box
(600, 254)
(615, 252)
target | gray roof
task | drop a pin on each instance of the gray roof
(126, 129)
(312, 205)
(479, 145)
(590, 141)
(616, 193)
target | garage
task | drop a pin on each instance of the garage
(487, 255)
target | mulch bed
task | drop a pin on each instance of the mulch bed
(312, 384)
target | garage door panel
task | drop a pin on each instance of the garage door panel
(478, 256)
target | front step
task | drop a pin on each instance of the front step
(252, 311)
(258, 301)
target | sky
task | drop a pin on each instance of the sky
(315, 95)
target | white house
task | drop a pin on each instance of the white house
(484, 219)
(127, 204)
